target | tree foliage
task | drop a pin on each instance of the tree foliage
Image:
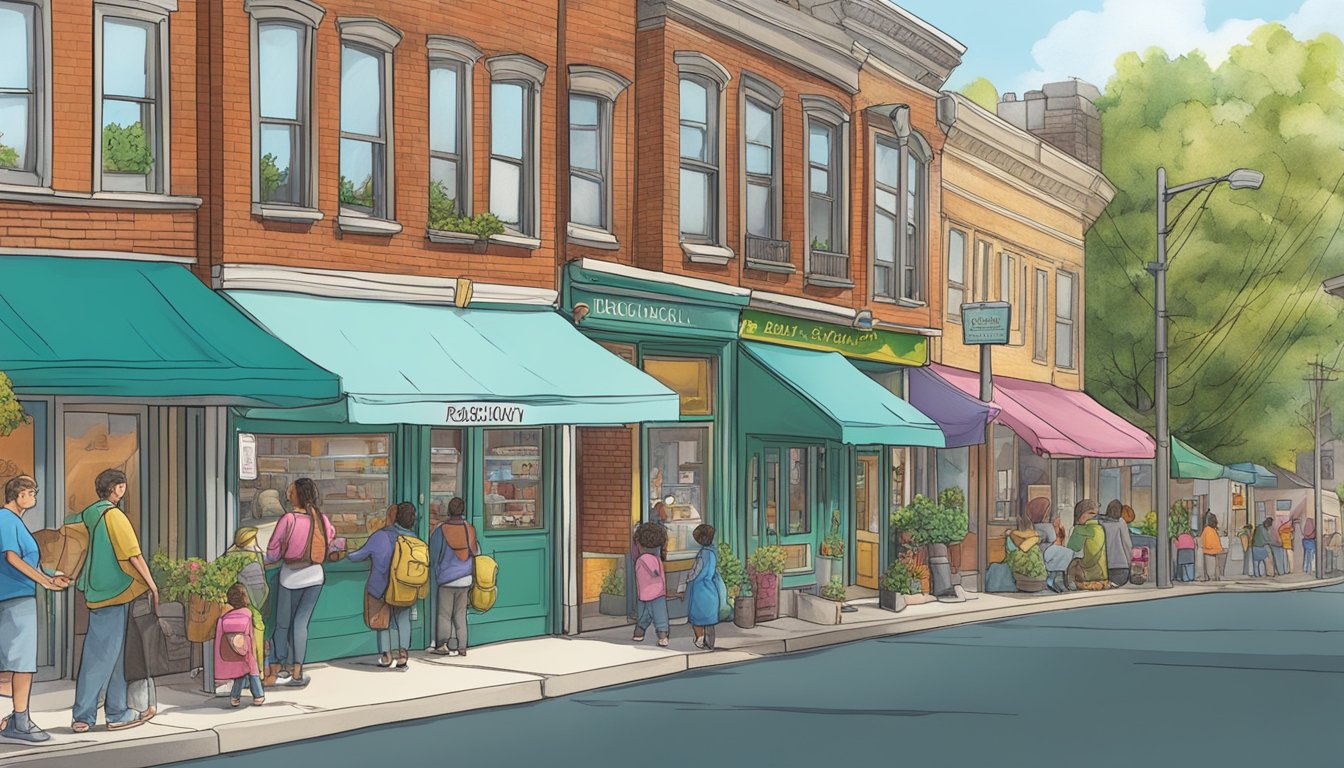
(982, 92)
(126, 149)
(1243, 291)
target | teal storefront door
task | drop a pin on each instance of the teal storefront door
(787, 488)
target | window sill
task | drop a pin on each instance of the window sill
(828, 282)
(909, 303)
(366, 225)
(704, 253)
(591, 237)
(291, 214)
(517, 241)
(771, 266)
(445, 237)
(18, 193)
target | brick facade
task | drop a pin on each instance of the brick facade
(606, 479)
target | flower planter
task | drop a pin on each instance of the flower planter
(891, 601)
(744, 611)
(1027, 584)
(202, 615)
(766, 588)
(826, 567)
(818, 610)
(611, 605)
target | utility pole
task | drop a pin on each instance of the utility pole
(1320, 374)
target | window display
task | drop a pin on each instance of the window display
(513, 479)
(351, 473)
(445, 472)
(800, 512)
(691, 378)
(678, 460)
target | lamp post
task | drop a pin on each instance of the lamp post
(1242, 178)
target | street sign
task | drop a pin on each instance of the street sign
(986, 322)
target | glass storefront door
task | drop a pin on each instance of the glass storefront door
(867, 520)
(785, 487)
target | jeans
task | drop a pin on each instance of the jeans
(400, 623)
(1280, 560)
(1213, 567)
(452, 617)
(1186, 571)
(253, 682)
(653, 612)
(1308, 555)
(1258, 557)
(293, 610)
(101, 671)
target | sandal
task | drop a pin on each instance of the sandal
(638, 638)
(80, 727)
(235, 702)
(258, 701)
(388, 656)
(403, 659)
(662, 642)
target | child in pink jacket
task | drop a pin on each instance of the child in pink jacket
(235, 648)
(651, 582)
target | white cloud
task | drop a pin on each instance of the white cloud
(1087, 43)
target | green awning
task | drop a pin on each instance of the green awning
(438, 365)
(140, 329)
(861, 410)
(1259, 476)
(1189, 464)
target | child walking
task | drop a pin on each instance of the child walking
(235, 648)
(651, 583)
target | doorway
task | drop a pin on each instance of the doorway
(867, 520)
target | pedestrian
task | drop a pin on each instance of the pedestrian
(1089, 540)
(1212, 544)
(379, 551)
(1056, 556)
(1286, 542)
(1309, 545)
(1185, 556)
(20, 576)
(453, 552)
(1260, 539)
(302, 541)
(703, 588)
(1332, 543)
(236, 648)
(1119, 545)
(113, 576)
(651, 584)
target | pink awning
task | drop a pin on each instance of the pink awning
(1056, 421)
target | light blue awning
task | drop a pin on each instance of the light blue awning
(443, 366)
(1252, 474)
(864, 411)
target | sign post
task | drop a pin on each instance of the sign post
(985, 324)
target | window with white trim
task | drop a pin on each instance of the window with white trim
(701, 82)
(827, 127)
(450, 65)
(592, 99)
(24, 122)
(1040, 341)
(956, 273)
(366, 188)
(515, 94)
(131, 141)
(761, 103)
(283, 131)
(1066, 304)
(900, 218)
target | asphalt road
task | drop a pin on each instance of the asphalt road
(1227, 680)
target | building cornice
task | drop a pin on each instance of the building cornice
(895, 36)
(1049, 173)
(377, 286)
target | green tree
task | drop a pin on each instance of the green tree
(1244, 300)
(9, 156)
(126, 149)
(272, 178)
(982, 92)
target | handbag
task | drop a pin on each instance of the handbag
(146, 650)
(377, 614)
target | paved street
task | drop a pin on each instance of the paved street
(1231, 679)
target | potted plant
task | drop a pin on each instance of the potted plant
(934, 524)
(919, 574)
(203, 586)
(744, 607)
(825, 609)
(734, 576)
(764, 567)
(896, 582)
(1028, 572)
(612, 600)
(446, 225)
(831, 552)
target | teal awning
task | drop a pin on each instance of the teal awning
(1259, 476)
(863, 412)
(438, 365)
(140, 329)
(1189, 464)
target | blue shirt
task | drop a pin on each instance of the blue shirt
(15, 537)
(378, 551)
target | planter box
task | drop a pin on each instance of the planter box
(766, 588)
(891, 601)
(818, 610)
(611, 605)
(744, 612)
(1025, 584)
(826, 568)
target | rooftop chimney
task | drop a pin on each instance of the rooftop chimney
(1063, 114)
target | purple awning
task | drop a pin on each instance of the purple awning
(961, 417)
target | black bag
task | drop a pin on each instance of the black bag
(147, 652)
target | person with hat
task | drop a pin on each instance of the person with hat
(253, 578)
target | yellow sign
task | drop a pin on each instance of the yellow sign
(877, 345)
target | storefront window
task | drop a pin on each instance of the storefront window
(952, 472)
(1005, 472)
(513, 479)
(692, 378)
(678, 458)
(351, 473)
(897, 484)
(18, 457)
(772, 492)
(95, 442)
(445, 472)
(1068, 485)
(800, 518)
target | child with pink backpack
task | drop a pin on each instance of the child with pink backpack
(236, 649)
(651, 583)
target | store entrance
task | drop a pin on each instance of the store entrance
(867, 520)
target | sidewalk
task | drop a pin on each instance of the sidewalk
(355, 693)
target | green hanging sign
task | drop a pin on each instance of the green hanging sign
(878, 345)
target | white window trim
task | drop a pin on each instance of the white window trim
(696, 63)
(952, 313)
(460, 51)
(1072, 322)
(155, 13)
(831, 112)
(39, 180)
(762, 90)
(518, 67)
(606, 86)
(309, 15)
(382, 37)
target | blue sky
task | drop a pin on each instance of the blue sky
(1022, 45)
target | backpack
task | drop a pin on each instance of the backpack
(482, 595)
(234, 645)
(408, 577)
(316, 551)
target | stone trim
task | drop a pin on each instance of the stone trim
(302, 11)
(585, 78)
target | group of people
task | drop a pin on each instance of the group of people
(703, 589)
(1103, 544)
(1210, 543)
(1272, 547)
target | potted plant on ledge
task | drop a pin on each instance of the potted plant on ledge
(446, 225)
(831, 553)
(612, 600)
(202, 586)
(826, 609)
(896, 582)
(764, 567)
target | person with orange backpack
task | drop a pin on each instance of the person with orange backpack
(391, 552)
(453, 551)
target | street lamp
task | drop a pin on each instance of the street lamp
(1242, 178)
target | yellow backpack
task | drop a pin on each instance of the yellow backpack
(408, 579)
(485, 571)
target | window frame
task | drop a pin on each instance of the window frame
(39, 115)
(376, 37)
(714, 78)
(1071, 322)
(770, 98)
(832, 114)
(1040, 343)
(893, 131)
(306, 16)
(156, 15)
(525, 71)
(1009, 291)
(954, 310)
(448, 51)
(605, 87)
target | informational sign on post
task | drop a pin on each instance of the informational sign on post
(986, 322)
(247, 456)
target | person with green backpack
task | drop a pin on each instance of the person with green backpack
(398, 576)
(114, 574)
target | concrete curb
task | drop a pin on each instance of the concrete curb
(241, 736)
